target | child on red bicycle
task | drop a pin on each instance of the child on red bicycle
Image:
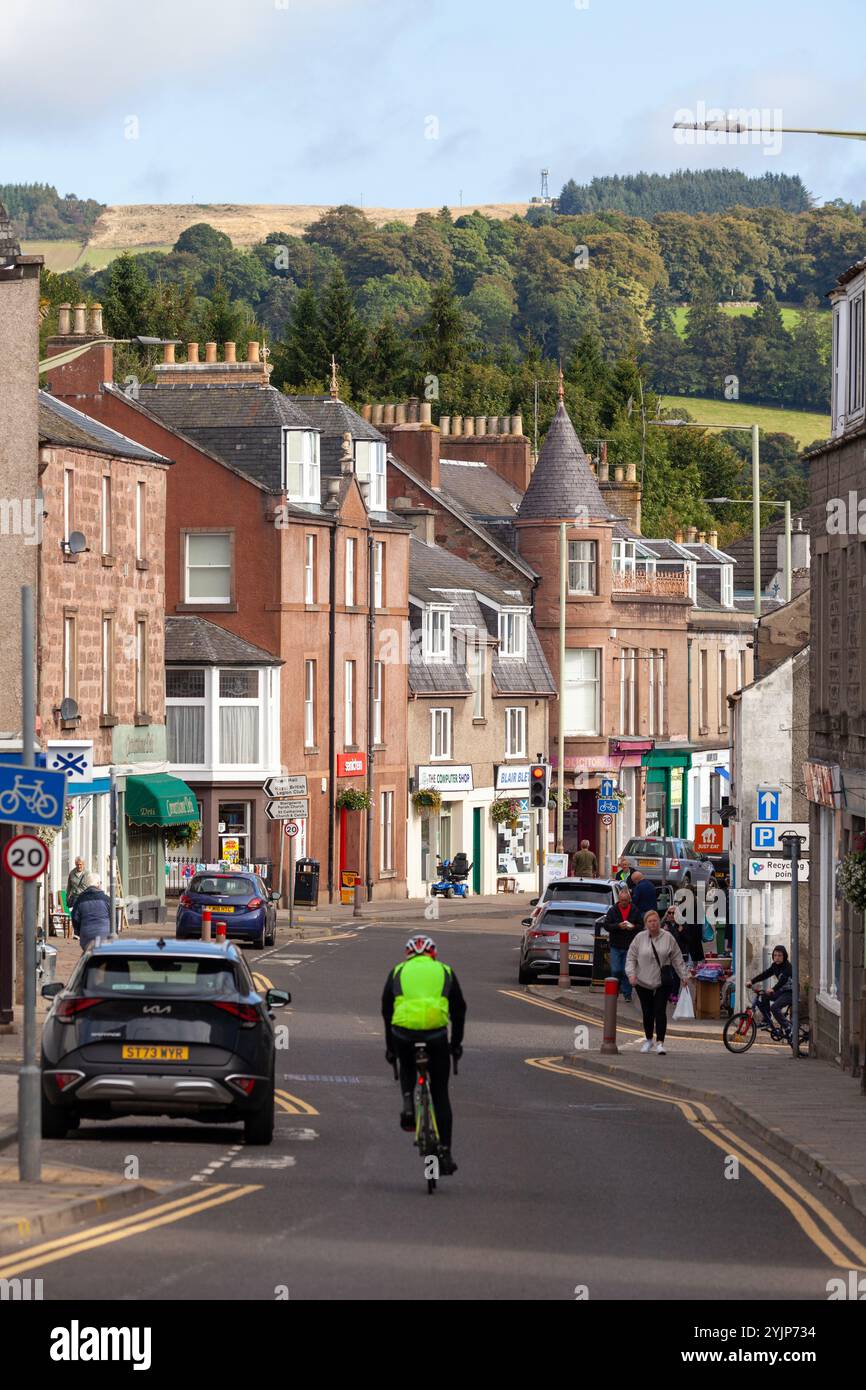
(773, 1001)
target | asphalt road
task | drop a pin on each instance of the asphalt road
(563, 1184)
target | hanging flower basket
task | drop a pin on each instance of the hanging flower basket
(428, 799)
(852, 879)
(505, 810)
(182, 836)
(353, 799)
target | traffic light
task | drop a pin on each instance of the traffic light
(538, 786)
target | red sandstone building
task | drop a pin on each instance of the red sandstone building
(286, 594)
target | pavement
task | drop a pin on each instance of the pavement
(807, 1110)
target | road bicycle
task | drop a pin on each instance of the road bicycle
(741, 1029)
(427, 1140)
(38, 802)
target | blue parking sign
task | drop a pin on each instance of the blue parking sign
(31, 795)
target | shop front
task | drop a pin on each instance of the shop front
(449, 814)
(584, 775)
(667, 792)
(155, 812)
(709, 779)
(515, 850)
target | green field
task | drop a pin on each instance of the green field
(804, 425)
(64, 255)
(790, 315)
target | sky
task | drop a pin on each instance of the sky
(404, 103)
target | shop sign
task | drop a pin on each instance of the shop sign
(512, 779)
(351, 764)
(131, 744)
(445, 779)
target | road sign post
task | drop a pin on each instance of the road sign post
(29, 1082)
(26, 857)
(791, 850)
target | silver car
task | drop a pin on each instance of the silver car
(671, 860)
(539, 950)
(599, 893)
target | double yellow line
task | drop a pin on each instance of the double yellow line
(596, 1021)
(293, 1105)
(35, 1256)
(831, 1237)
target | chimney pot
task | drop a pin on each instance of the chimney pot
(631, 472)
(603, 470)
(210, 352)
(388, 414)
(400, 414)
(253, 351)
(678, 535)
(79, 327)
(444, 425)
(517, 424)
(367, 413)
(457, 424)
(230, 352)
(96, 327)
(412, 410)
(425, 413)
(376, 414)
(691, 534)
(192, 352)
(168, 352)
(702, 537)
(64, 320)
(468, 426)
(619, 473)
(480, 424)
(713, 538)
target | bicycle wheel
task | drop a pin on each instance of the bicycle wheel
(739, 1032)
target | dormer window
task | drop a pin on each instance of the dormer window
(301, 465)
(849, 356)
(437, 634)
(692, 580)
(512, 634)
(726, 595)
(370, 467)
(623, 557)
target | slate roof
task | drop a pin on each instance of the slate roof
(741, 552)
(9, 245)
(194, 639)
(562, 481)
(242, 424)
(479, 489)
(436, 576)
(707, 554)
(60, 423)
(666, 550)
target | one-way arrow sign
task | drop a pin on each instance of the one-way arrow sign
(769, 802)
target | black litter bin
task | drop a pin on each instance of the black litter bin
(307, 882)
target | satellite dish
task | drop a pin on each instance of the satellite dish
(68, 709)
(77, 543)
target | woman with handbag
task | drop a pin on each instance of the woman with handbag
(653, 965)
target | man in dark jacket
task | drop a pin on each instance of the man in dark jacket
(91, 913)
(643, 894)
(621, 923)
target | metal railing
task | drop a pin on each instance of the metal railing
(180, 869)
(668, 585)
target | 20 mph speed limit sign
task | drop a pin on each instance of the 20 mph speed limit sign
(26, 857)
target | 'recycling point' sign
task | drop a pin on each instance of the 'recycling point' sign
(31, 795)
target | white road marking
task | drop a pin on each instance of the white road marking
(284, 1161)
(299, 1134)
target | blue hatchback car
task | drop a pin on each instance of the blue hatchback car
(239, 899)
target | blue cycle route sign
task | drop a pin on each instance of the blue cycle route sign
(31, 795)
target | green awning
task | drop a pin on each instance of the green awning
(159, 800)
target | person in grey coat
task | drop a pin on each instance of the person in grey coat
(91, 912)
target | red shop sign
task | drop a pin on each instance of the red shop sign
(351, 764)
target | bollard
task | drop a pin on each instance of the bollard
(611, 996)
(564, 973)
(356, 910)
(205, 923)
(220, 931)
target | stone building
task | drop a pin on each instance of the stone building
(835, 771)
(101, 685)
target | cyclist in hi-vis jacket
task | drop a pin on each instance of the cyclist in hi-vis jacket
(420, 998)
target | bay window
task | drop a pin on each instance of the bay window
(239, 717)
(185, 715)
(581, 567)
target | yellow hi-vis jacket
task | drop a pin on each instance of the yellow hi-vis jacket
(421, 987)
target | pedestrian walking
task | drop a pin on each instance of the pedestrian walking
(689, 937)
(621, 924)
(584, 864)
(643, 893)
(91, 915)
(653, 963)
(74, 883)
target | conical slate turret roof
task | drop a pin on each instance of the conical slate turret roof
(563, 483)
